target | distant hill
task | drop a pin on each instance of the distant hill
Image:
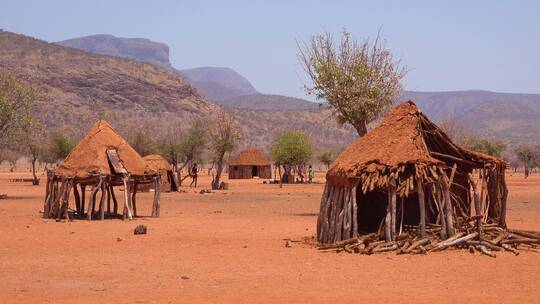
(218, 83)
(140, 49)
(77, 87)
(268, 102)
(514, 118)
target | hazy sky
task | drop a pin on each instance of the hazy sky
(448, 45)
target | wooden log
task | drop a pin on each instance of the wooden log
(134, 187)
(393, 216)
(77, 199)
(421, 207)
(521, 241)
(115, 202)
(340, 212)
(388, 219)
(108, 199)
(325, 224)
(83, 200)
(453, 241)
(92, 199)
(157, 193)
(354, 211)
(504, 197)
(127, 210)
(416, 244)
(104, 186)
(58, 197)
(527, 234)
(385, 248)
(485, 251)
(335, 214)
(347, 219)
(48, 193)
(477, 208)
(322, 206)
(448, 210)
(442, 215)
(509, 248)
(65, 204)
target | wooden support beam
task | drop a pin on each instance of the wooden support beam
(421, 206)
(83, 200)
(77, 198)
(127, 210)
(393, 201)
(134, 186)
(115, 202)
(453, 158)
(388, 218)
(103, 187)
(354, 211)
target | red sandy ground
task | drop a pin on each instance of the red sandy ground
(227, 247)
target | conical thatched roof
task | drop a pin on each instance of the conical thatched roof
(250, 157)
(405, 136)
(157, 162)
(89, 157)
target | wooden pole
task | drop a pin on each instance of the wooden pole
(77, 199)
(127, 211)
(83, 199)
(393, 198)
(504, 197)
(477, 208)
(442, 216)
(102, 200)
(421, 206)
(448, 210)
(108, 199)
(388, 218)
(115, 202)
(134, 186)
(92, 200)
(321, 211)
(354, 211)
(48, 193)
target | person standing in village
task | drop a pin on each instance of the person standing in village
(311, 174)
(194, 172)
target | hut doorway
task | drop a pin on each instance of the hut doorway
(372, 210)
(254, 171)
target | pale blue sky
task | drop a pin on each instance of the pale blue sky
(449, 45)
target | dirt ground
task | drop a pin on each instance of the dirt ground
(228, 247)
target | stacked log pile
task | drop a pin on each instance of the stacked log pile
(491, 239)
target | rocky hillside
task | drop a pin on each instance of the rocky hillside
(140, 49)
(268, 102)
(77, 87)
(218, 83)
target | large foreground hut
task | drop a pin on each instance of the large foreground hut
(159, 164)
(406, 177)
(101, 160)
(248, 164)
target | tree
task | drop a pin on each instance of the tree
(34, 145)
(528, 156)
(224, 135)
(141, 142)
(358, 80)
(184, 147)
(60, 147)
(491, 147)
(16, 102)
(327, 157)
(291, 149)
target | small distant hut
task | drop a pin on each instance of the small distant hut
(407, 175)
(248, 164)
(101, 160)
(158, 163)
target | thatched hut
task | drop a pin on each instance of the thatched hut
(248, 164)
(159, 164)
(406, 174)
(102, 160)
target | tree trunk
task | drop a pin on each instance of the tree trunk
(361, 128)
(35, 182)
(219, 169)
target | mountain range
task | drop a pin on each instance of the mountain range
(132, 84)
(77, 87)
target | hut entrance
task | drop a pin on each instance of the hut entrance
(372, 210)
(254, 171)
